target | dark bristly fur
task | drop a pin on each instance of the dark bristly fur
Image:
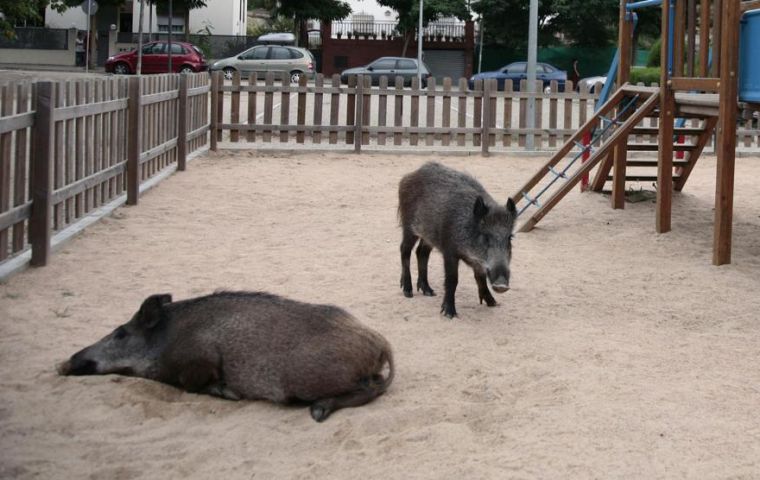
(247, 345)
(451, 211)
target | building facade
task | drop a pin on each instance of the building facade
(222, 17)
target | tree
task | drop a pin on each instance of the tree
(16, 12)
(572, 19)
(302, 10)
(409, 10)
(505, 22)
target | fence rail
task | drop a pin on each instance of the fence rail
(65, 149)
(447, 116)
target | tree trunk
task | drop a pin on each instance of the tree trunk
(407, 38)
(187, 24)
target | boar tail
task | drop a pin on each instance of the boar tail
(386, 357)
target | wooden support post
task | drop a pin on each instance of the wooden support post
(691, 35)
(704, 36)
(665, 157)
(716, 36)
(215, 99)
(134, 139)
(182, 124)
(679, 25)
(625, 33)
(726, 140)
(41, 184)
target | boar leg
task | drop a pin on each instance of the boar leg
(322, 408)
(220, 389)
(483, 292)
(196, 376)
(423, 254)
(451, 269)
(407, 244)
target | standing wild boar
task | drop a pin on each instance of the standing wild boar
(247, 345)
(452, 212)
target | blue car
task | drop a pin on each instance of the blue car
(517, 71)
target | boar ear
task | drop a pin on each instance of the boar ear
(480, 209)
(152, 311)
(511, 207)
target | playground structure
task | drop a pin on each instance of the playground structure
(699, 84)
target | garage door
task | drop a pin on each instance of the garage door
(445, 63)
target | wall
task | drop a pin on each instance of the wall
(224, 16)
(361, 52)
(33, 56)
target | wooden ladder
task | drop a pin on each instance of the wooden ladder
(564, 170)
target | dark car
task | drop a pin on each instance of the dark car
(517, 71)
(390, 67)
(186, 58)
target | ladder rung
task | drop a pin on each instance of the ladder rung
(691, 131)
(653, 163)
(557, 174)
(531, 201)
(610, 120)
(653, 147)
(640, 178)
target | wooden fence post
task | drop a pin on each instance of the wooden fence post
(134, 139)
(182, 123)
(41, 174)
(215, 98)
(485, 138)
(358, 117)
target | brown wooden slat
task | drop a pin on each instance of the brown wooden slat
(653, 147)
(382, 110)
(446, 112)
(16, 122)
(8, 94)
(21, 168)
(301, 109)
(702, 84)
(235, 106)
(334, 108)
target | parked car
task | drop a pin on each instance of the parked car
(186, 58)
(591, 83)
(517, 71)
(390, 67)
(281, 59)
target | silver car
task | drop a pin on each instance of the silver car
(283, 60)
(390, 67)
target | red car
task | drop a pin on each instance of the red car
(186, 58)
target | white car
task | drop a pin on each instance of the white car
(591, 82)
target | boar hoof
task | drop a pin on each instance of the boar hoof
(320, 411)
(490, 301)
(425, 289)
(448, 311)
(408, 293)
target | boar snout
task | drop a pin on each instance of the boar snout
(78, 364)
(499, 278)
(63, 368)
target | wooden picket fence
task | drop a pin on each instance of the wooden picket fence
(328, 114)
(70, 148)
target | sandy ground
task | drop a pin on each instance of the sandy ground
(618, 353)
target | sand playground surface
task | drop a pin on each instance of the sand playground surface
(618, 352)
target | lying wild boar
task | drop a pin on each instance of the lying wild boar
(247, 345)
(452, 212)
